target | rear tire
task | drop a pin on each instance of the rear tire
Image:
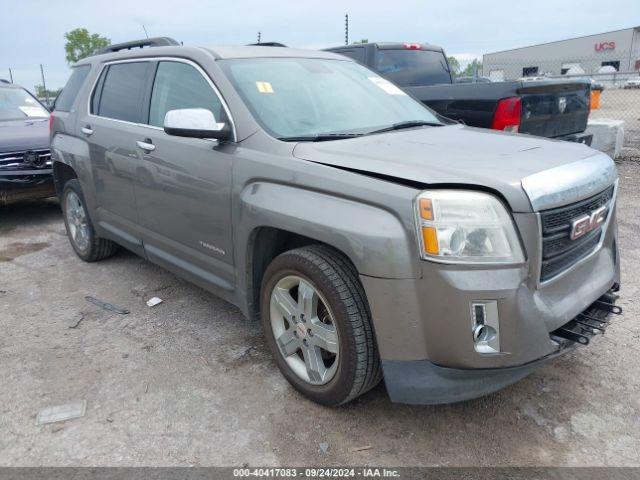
(344, 338)
(82, 236)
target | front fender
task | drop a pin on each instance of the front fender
(374, 239)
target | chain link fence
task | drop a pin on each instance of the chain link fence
(614, 76)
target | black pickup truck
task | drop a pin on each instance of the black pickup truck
(553, 108)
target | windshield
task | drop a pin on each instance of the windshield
(413, 67)
(18, 104)
(303, 97)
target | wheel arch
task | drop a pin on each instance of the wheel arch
(62, 173)
(273, 218)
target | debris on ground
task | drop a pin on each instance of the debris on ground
(57, 427)
(106, 306)
(77, 323)
(362, 449)
(152, 302)
(324, 447)
(60, 413)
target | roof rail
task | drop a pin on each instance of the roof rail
(267, 44)
(145, 42)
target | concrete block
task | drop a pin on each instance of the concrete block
(608, 135)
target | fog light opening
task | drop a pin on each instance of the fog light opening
(485, 327)
(484, 333)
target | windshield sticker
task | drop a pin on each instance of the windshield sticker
(32, 111)
(264, 87)
(386, 85)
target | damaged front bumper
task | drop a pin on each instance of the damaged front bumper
(422, 382)
(23, 184)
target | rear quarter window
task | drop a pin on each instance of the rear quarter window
(121, 91)
(65, 100)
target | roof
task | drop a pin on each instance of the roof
(251, 51)
(217, 52)
(563, 40)
(7, 84)
(390, 45)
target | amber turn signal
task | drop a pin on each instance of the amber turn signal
(426, 209)
(430, 240)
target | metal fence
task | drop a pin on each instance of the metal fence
(615, 74)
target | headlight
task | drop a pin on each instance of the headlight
(466, 227)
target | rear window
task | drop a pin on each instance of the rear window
(70, 91)
(413, 67)
(122, 91)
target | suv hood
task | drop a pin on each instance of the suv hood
(530, 173)
(19, 135)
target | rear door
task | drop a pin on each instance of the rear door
(183, 188)
(111, 129)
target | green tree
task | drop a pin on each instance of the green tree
(471, 69)
(454, 65)
(80, 44)
(40, 93)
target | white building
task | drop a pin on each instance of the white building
(619, 50)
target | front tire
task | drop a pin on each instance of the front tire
(317, 323)
(87, 245)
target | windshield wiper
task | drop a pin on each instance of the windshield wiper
(320, 137)
(407, 124)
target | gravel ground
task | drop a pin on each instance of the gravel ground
(190, 382)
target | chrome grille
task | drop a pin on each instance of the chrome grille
(42, 159)
(559, 252)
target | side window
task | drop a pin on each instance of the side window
(123, 90)
(97, 92)
(65, 100)
(356, 53)
(179, 85)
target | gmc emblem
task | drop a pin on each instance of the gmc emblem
(583, 225)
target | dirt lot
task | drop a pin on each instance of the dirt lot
(190, 382)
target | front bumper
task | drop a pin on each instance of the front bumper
(17, 185)
(421, 382)
(426, 325)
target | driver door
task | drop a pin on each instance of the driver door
(183, 185)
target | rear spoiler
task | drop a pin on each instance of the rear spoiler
(145, 42)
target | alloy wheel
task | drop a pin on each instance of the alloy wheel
(304, 329)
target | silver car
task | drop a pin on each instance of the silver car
(371, 237)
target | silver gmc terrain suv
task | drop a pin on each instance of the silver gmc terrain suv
(372, 238)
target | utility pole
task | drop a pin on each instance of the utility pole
(259, 36)
(346, 29)
(145, 31)
(10, 76)
(44, 85)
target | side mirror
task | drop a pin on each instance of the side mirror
(195, 123)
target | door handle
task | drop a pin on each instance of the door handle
(87, 130)
(147, 146)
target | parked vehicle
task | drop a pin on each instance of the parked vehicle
(632, 83)
(25, 160)
(371, 237)
(554, 108)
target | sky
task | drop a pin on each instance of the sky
(32, 31)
